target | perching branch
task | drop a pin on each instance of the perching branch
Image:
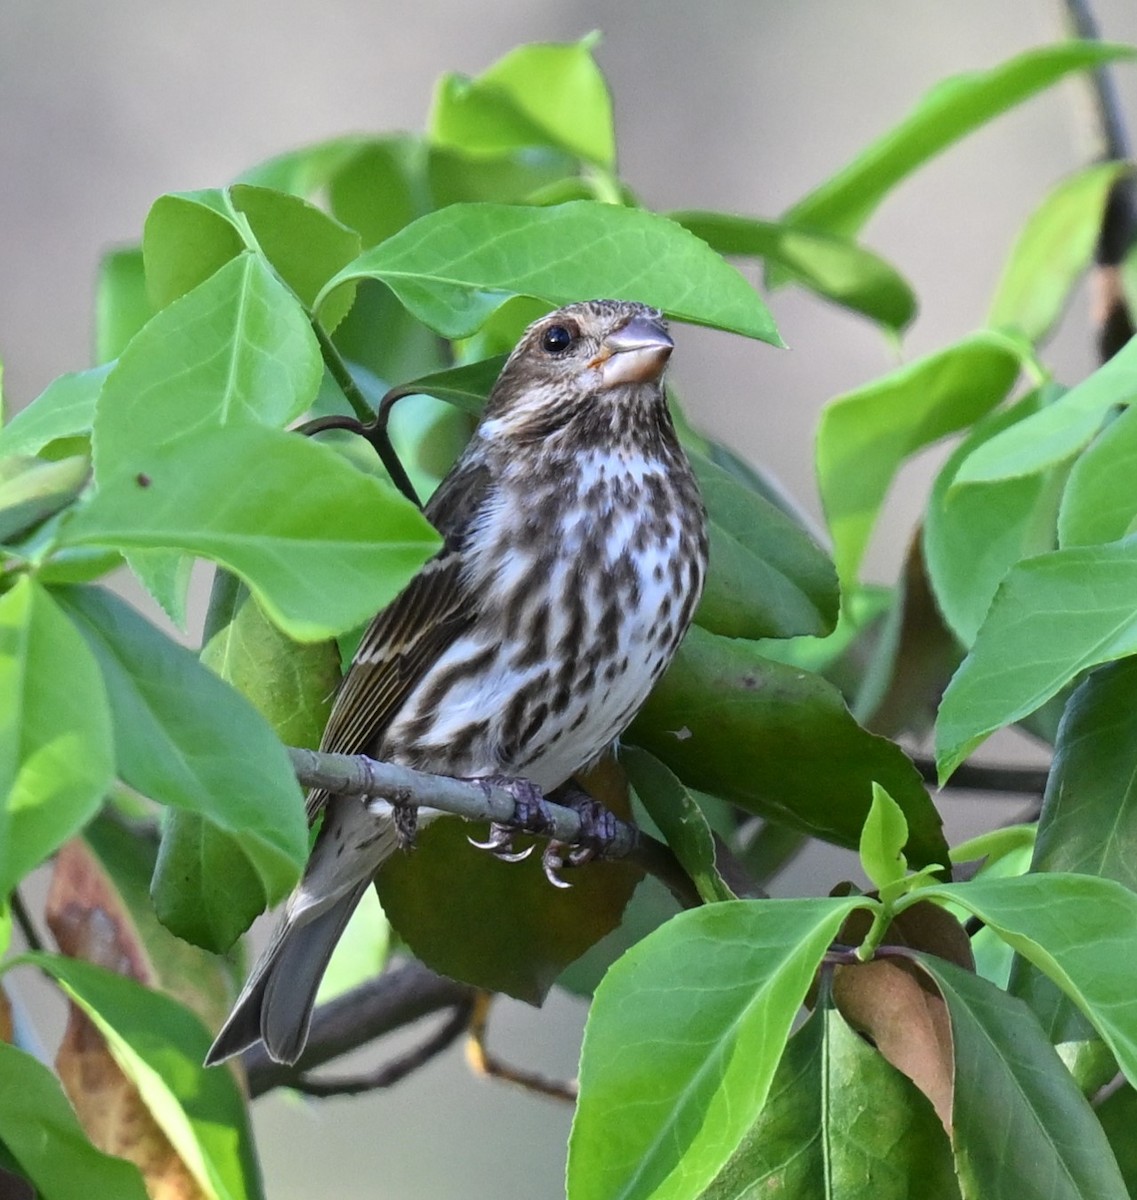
(481, 800)
(396, 998)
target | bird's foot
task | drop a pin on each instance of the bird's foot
(406, 823)
(597, 832)
(531, 813)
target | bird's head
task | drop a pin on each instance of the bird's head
(596, 363)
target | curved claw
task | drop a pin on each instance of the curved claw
(552, 862)
(500, 845)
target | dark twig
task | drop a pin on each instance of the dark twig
(370, 426)
(394, 1071)
(482, 1062)
(24, 922)
(971, 777)
(480, 800)
(397, 998)
(1119, 222)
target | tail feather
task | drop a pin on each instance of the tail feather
(276, 1003)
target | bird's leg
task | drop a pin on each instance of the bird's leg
(530, 813)
(597, 832)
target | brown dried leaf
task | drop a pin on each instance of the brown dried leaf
(114, 1115)
(88, 919)
(895, 1004)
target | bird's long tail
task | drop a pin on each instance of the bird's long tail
(276, 1003)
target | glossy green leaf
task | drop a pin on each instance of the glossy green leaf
(32, 490)
(1118, 1116)
(548, 927)
(455, 267)
(236, 350)
(295, 515)
(305, 171)
(1078, 930)
(839, 1115)
(40, 1133)
(1052, 617)
(291, 684)
(882, 841)
(835, 268)
(683, 1040)
(1019, 1125)
(1054, 248)
(184, 738)
(975, 532)
(194, 854)
(188, 236)
(524, 176)
(378, 190)
(1100, 500)
(56, 757)
(122, 303)
(780, 742)
(466, 386)
(540, 94)
(64, 409)
(865, 435)
(676, 812)
(1057, 432)
(768, 577)
(160, 1045)
(952, 109)
(1089, 815)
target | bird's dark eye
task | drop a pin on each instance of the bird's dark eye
(556, 339)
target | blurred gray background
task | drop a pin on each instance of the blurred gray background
(741, 105)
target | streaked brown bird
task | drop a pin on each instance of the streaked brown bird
(574, 554)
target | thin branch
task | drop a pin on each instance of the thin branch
(396, 998)
(971, 777)
(483, 800)
(1119, 222)
(482, 1062)
(394, 1071)
(24, 922)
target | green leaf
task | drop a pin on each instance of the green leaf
(1100, 502)
(1053, 249)
(1118, 1116)
(834, 268)
(865, 435)
(295, 515)
(1057, 432)
(768, 577)
(291, 684)
(837, 1116)
(56, 760)
(952, 109)
(1089, 815)
(1078, 930)
(1019, 1125)
(377, 191)
(39, 1131)
(32, 490)
(975, 532)
(307, 170)
(882, 841)
(122, 304)
(676, 812)
(237, 350)
(1052, 617)
(466, 386)
(188, 236)
(779, 742)
(541, 94)
(682, 1042)
(159, 1046)
(454, 267)
(184, 738)
(65, 409)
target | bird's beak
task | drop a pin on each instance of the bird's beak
(635, 353)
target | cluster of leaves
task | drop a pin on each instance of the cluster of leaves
(309, 287)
